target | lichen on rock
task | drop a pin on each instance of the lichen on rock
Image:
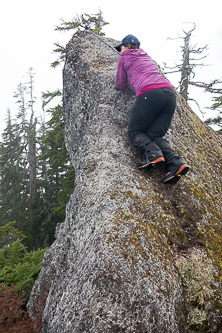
(118, 261)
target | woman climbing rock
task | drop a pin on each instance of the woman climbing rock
(151, 113)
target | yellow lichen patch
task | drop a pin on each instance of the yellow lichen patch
(130, 194)
(213, 237)
(136, 237)
(113, 196)
(99, 64)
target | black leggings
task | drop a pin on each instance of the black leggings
(151, 114)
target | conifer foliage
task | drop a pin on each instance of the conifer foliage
(18, 271)
(94, 22)
(19, 267)
(36, 176)
(36, 180)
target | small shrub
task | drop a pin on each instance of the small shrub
(18, 271)
(19, 267)
(196, 270)
(13, 317)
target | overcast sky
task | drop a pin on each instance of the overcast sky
(27, 35)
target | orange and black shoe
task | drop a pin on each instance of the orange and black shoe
(173, 176)
(146, 163)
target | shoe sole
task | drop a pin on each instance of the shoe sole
(182, 171)
(153, 163)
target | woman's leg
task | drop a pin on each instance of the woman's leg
(161, 123)
(142, 113)
(175, 166)
(163, 107)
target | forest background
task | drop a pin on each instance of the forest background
(27, 37)
(36, 177)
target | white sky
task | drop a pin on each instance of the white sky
(27, 36)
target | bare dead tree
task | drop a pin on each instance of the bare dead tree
(188, 64)
(208, 86)
(31, 134)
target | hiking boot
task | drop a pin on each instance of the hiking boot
(173, 176)
(150, 162)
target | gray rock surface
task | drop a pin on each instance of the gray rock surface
(122, 259)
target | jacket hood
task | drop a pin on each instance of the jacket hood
(134, 52)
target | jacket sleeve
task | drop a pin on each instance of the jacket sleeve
(121, 75)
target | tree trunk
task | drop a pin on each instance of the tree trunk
(185, 71)
(32, 179)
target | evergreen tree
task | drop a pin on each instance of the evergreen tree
(217, 101)
(217, 105)
(94, 22)
(57, 175)
(13, 177)
(36, 176)
(18, 166)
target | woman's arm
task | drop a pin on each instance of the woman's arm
(121, 75)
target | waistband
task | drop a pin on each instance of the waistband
(154, 86)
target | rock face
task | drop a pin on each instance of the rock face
(133, 255)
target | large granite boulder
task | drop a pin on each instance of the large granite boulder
(133, 255)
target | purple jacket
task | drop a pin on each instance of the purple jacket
(136, 68)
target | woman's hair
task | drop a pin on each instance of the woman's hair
(131, 46)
